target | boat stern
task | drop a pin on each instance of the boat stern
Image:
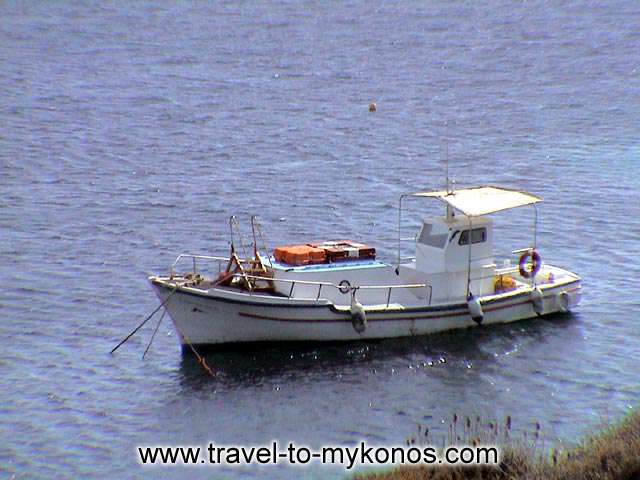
(559, 290)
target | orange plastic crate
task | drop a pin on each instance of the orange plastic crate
(341, 250)
(299, 255)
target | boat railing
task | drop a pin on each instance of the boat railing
(340, 288)
(404, 260)
(219, 260)
(510, 270)
(491, 274)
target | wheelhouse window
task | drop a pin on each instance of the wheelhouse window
(478, 235)
(427, 238)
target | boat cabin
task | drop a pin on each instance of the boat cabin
(448, 250)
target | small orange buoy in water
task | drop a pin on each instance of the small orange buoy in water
(372, 107)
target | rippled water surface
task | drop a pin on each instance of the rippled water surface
(129, 133)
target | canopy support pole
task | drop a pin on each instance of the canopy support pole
(469, 257)
(535, 238)
(399, 230)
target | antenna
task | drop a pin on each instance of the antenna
(446, 163)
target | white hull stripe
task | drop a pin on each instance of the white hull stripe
(394, 318)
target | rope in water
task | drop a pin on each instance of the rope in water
(201, 359)
(135, 330)
(154, 333)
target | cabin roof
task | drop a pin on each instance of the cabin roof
(477, 201)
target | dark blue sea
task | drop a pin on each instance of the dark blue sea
(131, 131)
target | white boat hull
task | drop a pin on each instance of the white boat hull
(219, 315)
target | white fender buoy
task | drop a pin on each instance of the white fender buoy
(475, 309)
(536, 300)
(562, 300)
(358, 316)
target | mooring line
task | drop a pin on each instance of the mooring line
(200, 358)
(175, 289)
(164, 312)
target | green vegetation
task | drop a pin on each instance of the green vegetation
(613, 454)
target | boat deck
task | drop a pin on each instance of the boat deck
(329, 267)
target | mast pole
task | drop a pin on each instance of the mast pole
(448, 190)
(446, 165)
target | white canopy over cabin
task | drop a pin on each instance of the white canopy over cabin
(478, 201)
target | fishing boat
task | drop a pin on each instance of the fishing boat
(338, 289)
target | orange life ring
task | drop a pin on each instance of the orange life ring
(536, 263)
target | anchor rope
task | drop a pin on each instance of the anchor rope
(200, 358)
(164, 312)
(135, 330)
